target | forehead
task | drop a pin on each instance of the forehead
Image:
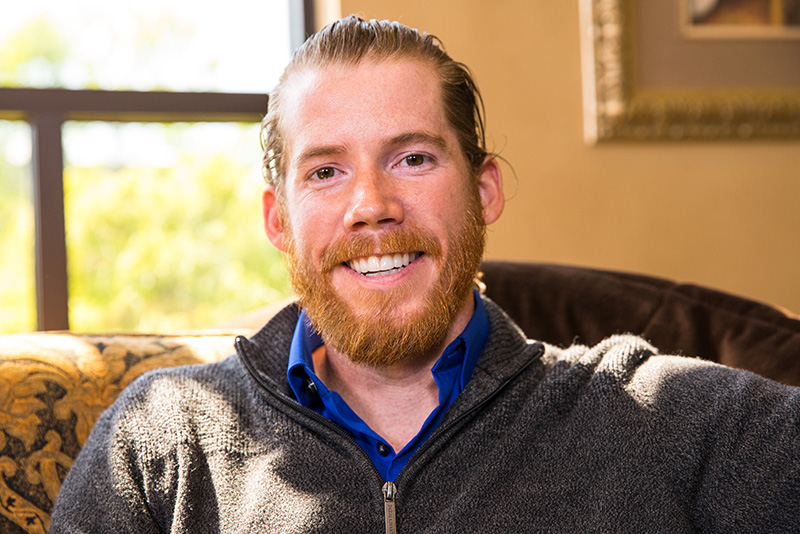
(358, 103)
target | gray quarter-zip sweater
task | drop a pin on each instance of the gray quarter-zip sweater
(612, 438)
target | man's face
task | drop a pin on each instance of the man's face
(380, 217)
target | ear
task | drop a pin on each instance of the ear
(490, 187)
(273, 225)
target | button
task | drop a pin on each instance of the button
(311, 386)
(383, 449)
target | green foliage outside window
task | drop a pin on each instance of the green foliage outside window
(158, 249)
(17, 289)
(150, 246)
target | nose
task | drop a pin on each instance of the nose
(373, 202)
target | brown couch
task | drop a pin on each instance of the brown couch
(561, 304)
(53, 386)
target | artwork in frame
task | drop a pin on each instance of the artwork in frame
(645, 79)
(740, 19)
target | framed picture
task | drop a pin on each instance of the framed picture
(740, 19)
(646, 77)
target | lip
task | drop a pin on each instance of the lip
(379, 266)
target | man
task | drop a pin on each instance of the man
(395, 397)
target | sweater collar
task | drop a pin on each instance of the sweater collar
(507, 351)
(452, 370)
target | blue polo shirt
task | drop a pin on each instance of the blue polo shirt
(451, 373)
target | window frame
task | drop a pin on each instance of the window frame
(46, 110)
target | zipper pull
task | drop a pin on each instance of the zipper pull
(389, 496)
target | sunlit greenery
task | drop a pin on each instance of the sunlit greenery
(149, 248)
(163, 221)
(167, 248)
(17, 289)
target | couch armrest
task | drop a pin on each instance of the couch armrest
(53, 387)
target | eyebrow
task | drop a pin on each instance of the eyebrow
(398, 140)
(417, 137)
(318, 151)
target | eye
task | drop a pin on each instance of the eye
(324, 173)
(414, 160)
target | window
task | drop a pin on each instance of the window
(130, 144)
(148, 45)
(17, 290)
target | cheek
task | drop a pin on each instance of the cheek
(312, 228)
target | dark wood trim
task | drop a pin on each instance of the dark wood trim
(51, 249)
(309, 18)
(129, 106)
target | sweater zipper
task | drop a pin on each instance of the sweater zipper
(466, 415)
(389, 496)
(389, 488)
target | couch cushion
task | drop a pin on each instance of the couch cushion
(53, 387)
(562, 304)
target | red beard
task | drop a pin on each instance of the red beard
(373, 334)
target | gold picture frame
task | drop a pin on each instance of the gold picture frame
(644, 80)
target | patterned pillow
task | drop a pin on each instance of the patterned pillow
(53, 387)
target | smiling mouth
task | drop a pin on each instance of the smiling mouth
(383, 265)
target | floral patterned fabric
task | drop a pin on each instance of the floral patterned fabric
(53, 387)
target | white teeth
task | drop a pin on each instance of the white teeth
(382, 265)
(373, 264)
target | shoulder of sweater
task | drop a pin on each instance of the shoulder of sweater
(171, 382)
(170, 405)
(624, 378)
(635, 367)
(615, 354)
(712, 386)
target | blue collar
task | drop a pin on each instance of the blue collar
(451, 372)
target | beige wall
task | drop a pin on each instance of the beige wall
(724, 214)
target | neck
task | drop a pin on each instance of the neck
(393, 400)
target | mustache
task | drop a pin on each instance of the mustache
(389, 242)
